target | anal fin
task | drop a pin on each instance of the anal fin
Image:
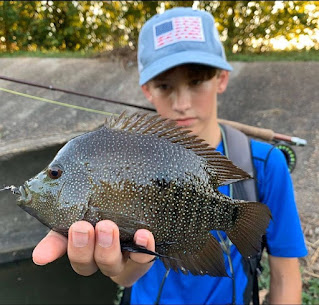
(208, 260)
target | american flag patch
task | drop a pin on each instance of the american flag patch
(178, 29)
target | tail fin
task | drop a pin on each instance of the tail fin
(251, 220)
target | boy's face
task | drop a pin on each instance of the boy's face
(188, 99)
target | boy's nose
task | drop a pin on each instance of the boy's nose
(182, 101)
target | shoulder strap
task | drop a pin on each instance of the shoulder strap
(126, 298)
(238, 150)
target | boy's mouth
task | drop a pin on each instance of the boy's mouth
(185, 122)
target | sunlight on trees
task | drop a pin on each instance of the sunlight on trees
(244, 26)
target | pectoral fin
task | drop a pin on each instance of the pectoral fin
(132, 247)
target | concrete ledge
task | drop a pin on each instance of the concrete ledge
(26, 145)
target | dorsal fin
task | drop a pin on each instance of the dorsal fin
(150, 124)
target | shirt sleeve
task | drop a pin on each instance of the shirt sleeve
(284, 235)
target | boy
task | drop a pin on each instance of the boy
(182, 69)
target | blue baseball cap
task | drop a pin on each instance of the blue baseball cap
(179, 36)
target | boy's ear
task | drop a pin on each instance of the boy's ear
(222, 80)
(147, 93)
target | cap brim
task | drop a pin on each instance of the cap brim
(177, 59)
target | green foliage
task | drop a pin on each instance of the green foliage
(71, 25)
(250, 25)
(310, 294)
(264, 278)
(245, 26)
(50, 54)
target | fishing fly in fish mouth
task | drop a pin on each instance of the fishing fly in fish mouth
(144, 172)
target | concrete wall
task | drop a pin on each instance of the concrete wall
(282, 96)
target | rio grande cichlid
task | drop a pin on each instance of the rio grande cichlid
(143, 171)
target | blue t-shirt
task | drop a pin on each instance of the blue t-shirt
(284, 239)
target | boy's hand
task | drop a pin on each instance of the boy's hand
(91, 249)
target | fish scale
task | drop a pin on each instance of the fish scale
(142, 171)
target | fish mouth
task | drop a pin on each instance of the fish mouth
(25, 195)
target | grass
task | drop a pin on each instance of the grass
(310, 294)
(312, 55)
(47, 54)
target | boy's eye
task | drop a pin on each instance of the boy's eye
(163, 86)
(196, 82)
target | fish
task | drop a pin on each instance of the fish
(144, 172)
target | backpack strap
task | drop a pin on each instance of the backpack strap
(126, 297)
(235, 140)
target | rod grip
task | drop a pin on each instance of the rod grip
(257, 132)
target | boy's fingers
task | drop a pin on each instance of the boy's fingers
(108, 255)
(145, 239)
(50, 248)
(81, 248)
(88, 252)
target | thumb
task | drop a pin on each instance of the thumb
(50, 248)
(145, 239)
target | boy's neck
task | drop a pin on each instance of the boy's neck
(216, 137)
(213, 135)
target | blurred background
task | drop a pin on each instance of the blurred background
(95, 26)
(90, 47)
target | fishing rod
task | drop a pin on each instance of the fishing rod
(50, 87)
(264, 133)
(258, 132)
(281, 141)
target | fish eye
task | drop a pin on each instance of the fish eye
(54, 172)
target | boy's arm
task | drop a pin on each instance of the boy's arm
(285, 280)
(89, 250)
(284, 237)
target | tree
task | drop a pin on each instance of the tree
(244, 26)
(8, 17)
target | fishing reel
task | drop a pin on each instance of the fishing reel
(289, 153)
